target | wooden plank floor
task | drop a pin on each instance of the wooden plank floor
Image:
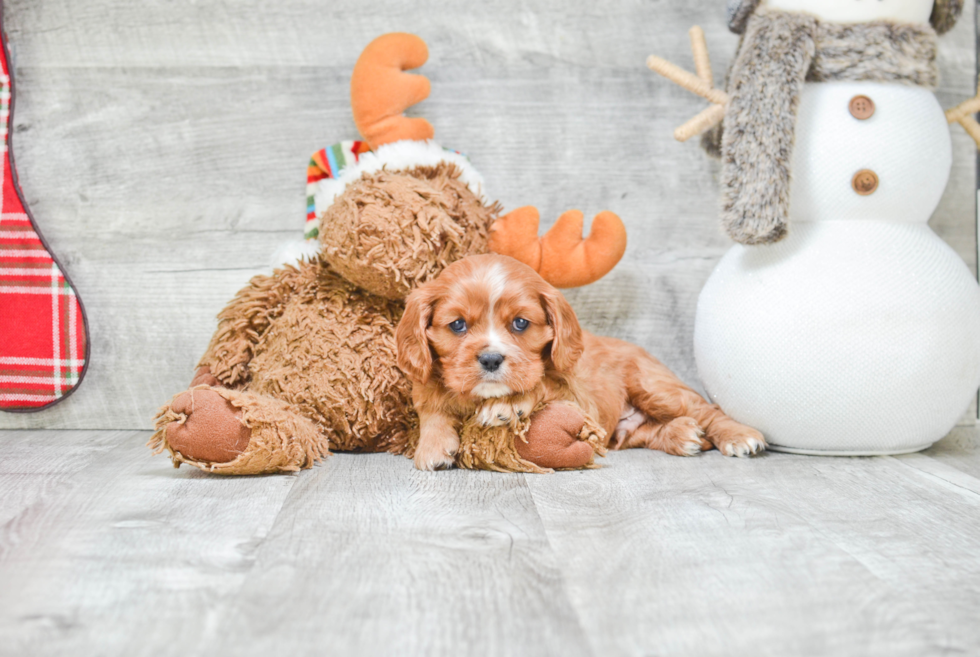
(106, 550)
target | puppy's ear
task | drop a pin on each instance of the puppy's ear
(414, 355)
(567, 346)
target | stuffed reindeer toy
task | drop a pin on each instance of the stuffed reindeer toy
(304, 361)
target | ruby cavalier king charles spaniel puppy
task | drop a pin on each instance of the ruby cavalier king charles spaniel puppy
(489, 336)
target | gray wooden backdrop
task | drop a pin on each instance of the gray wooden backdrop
(162, 146)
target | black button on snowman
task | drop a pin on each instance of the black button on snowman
(841, 324)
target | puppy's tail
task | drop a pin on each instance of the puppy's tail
(561, 256)
(380, 90)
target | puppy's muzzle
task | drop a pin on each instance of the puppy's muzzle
(490, 362)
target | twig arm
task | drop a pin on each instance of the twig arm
(702, 61)
(700, 123)
(702, 84)
(689, 81)
(963, 114)
(972, 128)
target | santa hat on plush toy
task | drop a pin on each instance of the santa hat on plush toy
(381, 91)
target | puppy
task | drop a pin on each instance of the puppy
(489, 335)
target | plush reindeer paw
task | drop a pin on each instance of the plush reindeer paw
(236, 432)
(553, 440)
(203, 377)
(212, 429)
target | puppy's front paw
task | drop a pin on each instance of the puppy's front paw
(741, 442)
(522, 409)
(435, 456)
(500, 414)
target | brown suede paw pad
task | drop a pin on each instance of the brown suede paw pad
(212, 429)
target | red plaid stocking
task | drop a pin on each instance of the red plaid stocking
(43, 332)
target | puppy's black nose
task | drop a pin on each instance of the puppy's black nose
(490, 362)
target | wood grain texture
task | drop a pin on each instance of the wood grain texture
(104, 550)
(107, 550)
(783, 555)
(390, 560)
(162, 147)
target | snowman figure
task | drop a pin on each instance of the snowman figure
(840, 323)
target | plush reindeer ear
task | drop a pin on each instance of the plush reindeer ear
(567, 345)
(738, 14)
(945, 13)
(412, 343)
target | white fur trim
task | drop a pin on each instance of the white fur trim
(291, 253)
(397, 156)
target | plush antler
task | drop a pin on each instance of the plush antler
(962, 114)
(561, 256)
(702, 84)
(380, 90)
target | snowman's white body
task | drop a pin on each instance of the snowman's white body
(858, 333)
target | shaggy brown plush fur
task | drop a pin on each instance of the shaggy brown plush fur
(778, 53)
(246, 318)
(390, 232)
(330, 354)
(314, 340)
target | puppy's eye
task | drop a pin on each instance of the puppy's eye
(458, 326)
(520, 324)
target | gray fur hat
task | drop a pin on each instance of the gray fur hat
(945, 13)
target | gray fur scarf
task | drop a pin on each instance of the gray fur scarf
(780, 51)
